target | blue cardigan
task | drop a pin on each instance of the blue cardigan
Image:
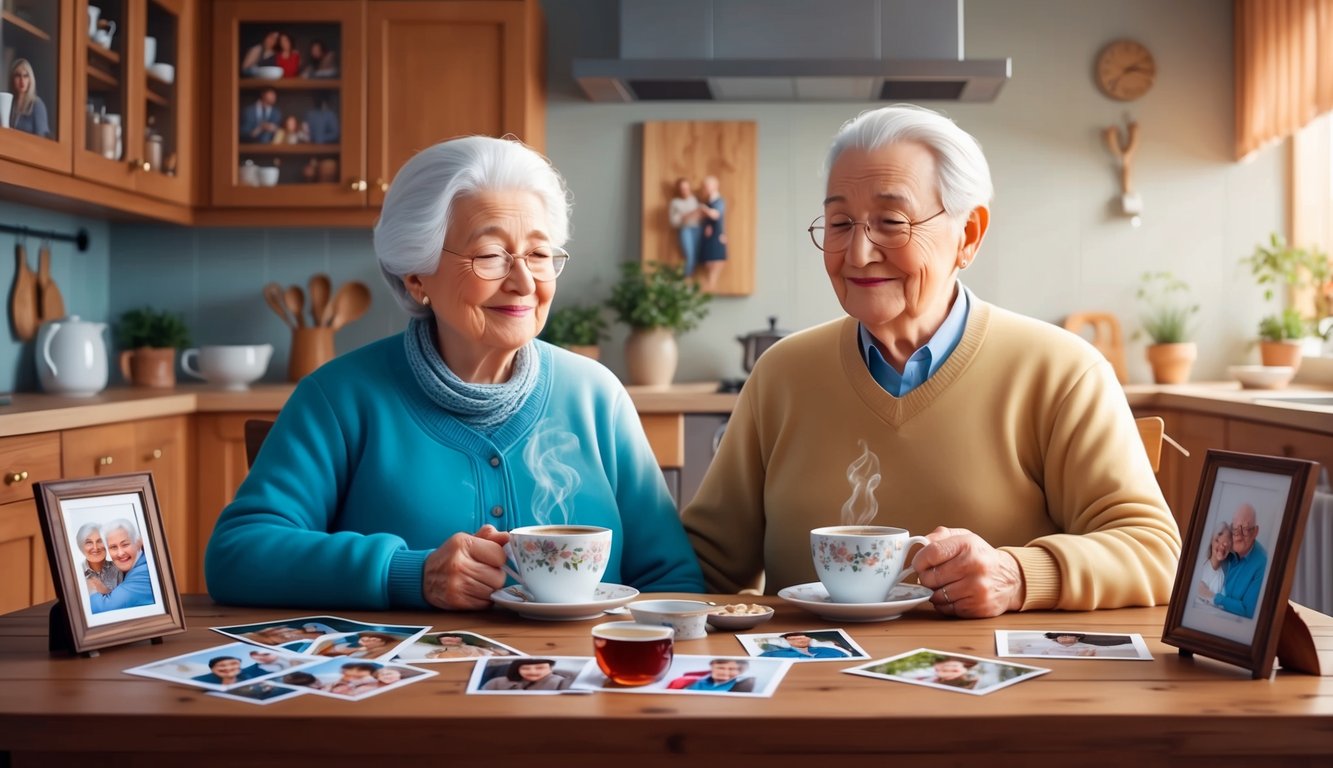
(135, 590)
(363, 476)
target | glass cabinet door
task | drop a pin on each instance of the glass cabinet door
(36, 57)
(287, 101)
(102, 84)
(162, 141)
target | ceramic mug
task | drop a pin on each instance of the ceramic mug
(559, 563)
(861, 563)
(6, 104)
(149, 51)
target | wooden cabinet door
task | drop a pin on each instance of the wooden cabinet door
(94, 451)
(446, 69)
(325, 171)
(162, 446)
(220, 459)
(107, 94)
(1197, 433)
(43, 34)
(25, 577)
(163, 166)
(1251, 437)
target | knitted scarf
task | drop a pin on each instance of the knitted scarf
(483, 407)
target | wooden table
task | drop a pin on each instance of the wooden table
(1170, 711)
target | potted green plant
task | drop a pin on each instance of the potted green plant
(1307, 276)
(148, 340)
(656, 303)
(1165, 319)
(578, 328)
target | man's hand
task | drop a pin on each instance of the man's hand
(971, 578)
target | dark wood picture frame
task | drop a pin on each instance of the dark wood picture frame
(66, 506)
(1279, 492)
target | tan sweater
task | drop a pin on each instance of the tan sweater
(1023, 436)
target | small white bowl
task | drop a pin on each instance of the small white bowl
(687, 617)
(268, 73)
(1262, 376)
(163, 71)
(268, 175)
(731, 622)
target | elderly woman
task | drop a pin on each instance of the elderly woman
(28, 111)
(101, 573)
(1008, 439)
(393, 472)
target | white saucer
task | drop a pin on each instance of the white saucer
(814, 598)
(606, 597)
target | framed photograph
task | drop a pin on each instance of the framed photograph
(109, 562)
(1236, 565)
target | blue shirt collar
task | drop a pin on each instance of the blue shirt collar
(925, 361)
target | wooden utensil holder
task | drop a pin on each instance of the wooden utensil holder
(311, 348)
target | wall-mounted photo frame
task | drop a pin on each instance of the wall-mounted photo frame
(1230, 595)
(109, 561)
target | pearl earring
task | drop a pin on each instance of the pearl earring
(963, 265)
(425, 300)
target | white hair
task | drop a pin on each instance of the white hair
(412, 225)
(86, 529)
(125, 525)
(964, 174)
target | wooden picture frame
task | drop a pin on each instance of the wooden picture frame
(119, 513)
(1267, 499)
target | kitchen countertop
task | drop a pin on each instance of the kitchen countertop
(36, 412)
(32, 412)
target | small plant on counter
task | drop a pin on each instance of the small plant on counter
(1307, 273)
(1288, 326)
(1167, 307)
(660, 298)
(575, 326)
(148, 327)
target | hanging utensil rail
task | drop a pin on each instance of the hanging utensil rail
(80, 238)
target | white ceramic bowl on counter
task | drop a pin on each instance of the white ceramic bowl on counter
(1262, 376)
(232, 366)
(687, 617)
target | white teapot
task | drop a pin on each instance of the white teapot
(71, 357)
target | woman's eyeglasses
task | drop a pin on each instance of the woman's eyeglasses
(544, 263)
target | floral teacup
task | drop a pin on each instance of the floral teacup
(861, 563)
(560, 563)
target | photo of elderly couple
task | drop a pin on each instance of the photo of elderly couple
(804, 645)
(440, 647)
(475, 223)
(328, 636)
(1071, 644)
(108, 543)
(352, 679)
(226, 667)
(948, 671)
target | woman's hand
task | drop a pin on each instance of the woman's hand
(465, 570)
(971, 578)
(96, 585)
(1205, 592)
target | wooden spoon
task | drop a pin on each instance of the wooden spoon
(50, 302)
(319, 297)
(276, 302)
(23, 305)
(351, 302)
(296, 304)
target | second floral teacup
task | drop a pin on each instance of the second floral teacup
(861, 563)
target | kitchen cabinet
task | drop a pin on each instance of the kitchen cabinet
(161, 446)
(220, 448)
(407, 75)
(1253, 437)
(25, 576)
(132, 132)
(41, 33)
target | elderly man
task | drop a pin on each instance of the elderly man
(798, 647)
(1245, 565)
(126, 550)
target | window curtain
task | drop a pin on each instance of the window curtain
(1284, 68)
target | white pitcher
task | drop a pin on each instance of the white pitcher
(93, 13)
(71, 357)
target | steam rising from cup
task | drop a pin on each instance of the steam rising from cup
(556, 482)
(863, 475)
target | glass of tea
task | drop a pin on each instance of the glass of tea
(632, 654)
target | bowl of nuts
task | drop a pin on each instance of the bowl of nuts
(739, 616)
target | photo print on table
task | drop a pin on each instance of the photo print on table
(803, 645)
(286, 632)
(260, 693)
(948, 671)
(1071, 644)
(353, 679)
(225, 667)
(539, 675)
(367, 644)
(458, 645)
(701, 675)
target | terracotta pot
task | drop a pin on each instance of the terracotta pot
(1171, 363)
(1280, 353)
(651, 355)
(149, 366)
(587, 350)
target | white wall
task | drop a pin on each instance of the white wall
(1055, 246)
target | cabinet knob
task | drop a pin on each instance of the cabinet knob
(106, 460)
(156, 454)
(140, 165)
(14, 478)
(383, 185)
(359, 185)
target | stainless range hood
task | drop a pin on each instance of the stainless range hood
(791, 50)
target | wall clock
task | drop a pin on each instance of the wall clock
(1125, 70)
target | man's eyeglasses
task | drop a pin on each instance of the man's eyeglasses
(1243, 530)
(545, 263)
(887, 230)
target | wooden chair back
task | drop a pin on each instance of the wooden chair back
(1151, 429)
(1106, 337)
(255, 432)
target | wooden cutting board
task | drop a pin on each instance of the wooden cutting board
(51, 305)
(23, 301)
